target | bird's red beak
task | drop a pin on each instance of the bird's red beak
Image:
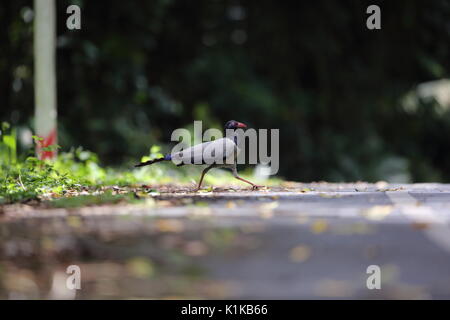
(241, 125)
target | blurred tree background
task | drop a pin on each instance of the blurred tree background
(350, 103)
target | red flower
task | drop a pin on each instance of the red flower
(46, 142)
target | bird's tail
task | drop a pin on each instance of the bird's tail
(147, 163)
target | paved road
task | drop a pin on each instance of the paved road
(302, 241)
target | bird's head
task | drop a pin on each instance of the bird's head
(232, 124)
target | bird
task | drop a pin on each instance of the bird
(220, 153)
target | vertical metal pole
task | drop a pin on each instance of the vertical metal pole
(45, 76)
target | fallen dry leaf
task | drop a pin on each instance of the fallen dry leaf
(334, 288)
(319, 226)
(266, 209)
(164, 203)
(195, 248)
(231, 205)
(300, 253)
(140, 267)
(378, 212)
(329, 195)
(74, 221)
(420, 225)
(169, 225)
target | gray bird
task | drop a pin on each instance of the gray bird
(220, 153)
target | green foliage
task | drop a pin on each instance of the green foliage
(81, 164)
(8, 146)
(154, 154)
(33, 177)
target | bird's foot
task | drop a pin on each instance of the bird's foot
(204, 190)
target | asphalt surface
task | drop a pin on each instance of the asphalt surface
(308, 241)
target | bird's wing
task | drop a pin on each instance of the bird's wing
(218, 151)
(191, 155)
(206, 153)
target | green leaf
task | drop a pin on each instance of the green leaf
(5, 126)
(36, 138)
(52, 147)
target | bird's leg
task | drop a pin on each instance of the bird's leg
(202, 176)
(235, 174)
(254, 186)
